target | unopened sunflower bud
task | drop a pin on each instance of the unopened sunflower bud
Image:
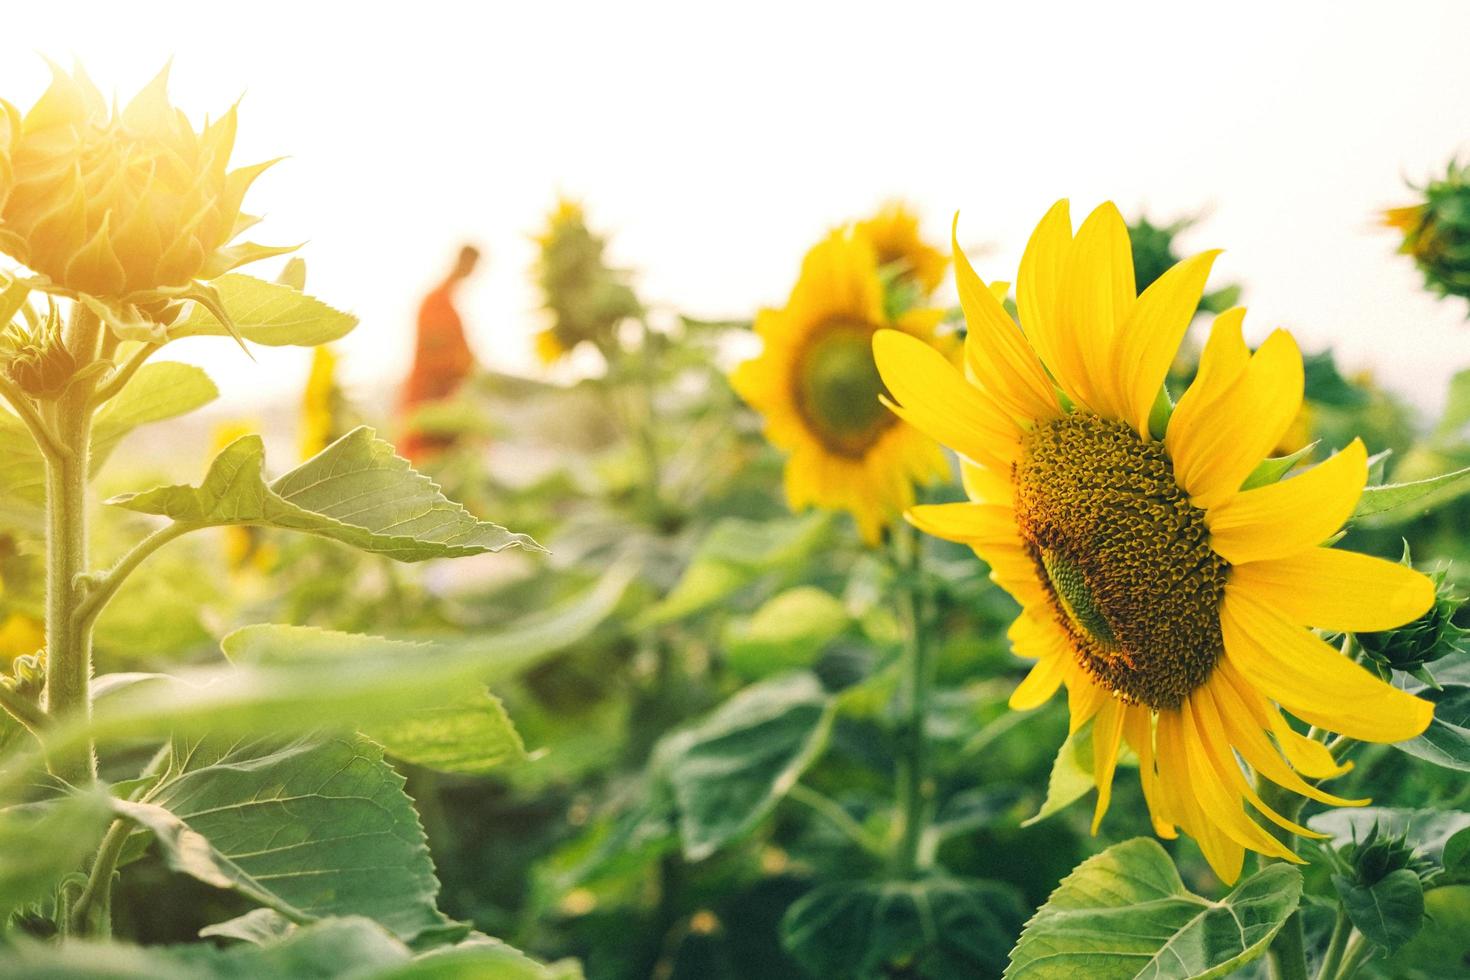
(1413, 646)
(1378, 855)
(40, 363)
(584, 297)
(119, 204)
(1437, 232)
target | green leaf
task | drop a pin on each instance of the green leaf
(306, 691)
(340, 947)
(1456, 859)
(1446, 742)
(1125, 913)
(159, 391)
(786, 633)
(734, 554)
(740, 761)
(268, 313)
(1071, 774)
(355, 491)
(1389, 912)
(42, 843)
(1275, 468)
(1442, 950)
(1399, 503)
(470, 733)
(935, 928)
(312, 828)
(1456, 409)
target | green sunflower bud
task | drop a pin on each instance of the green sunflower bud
(1415, 645)
(586, 300)
(1381, 884)
(1437, 232)
(38, 361)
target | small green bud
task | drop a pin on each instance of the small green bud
(1437, 232)
(38, 361)
(1413, 646)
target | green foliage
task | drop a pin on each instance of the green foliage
(1446, 742)
(1125, 913)
(312, 828)
(734, 767)
(1390, 911)
(338, 947)
(43, 843)
(1071, 774)
(787, 632)
(408, 518)
(1395, 504)
(270, 313)
(1437, 232)
(933, 928)
(733, 555)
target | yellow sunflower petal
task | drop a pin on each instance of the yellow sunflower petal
(1221, 364)
(1211, 728)
(986, 486)
(1038, 288)
(1098, 292)
(1150, 340)
(1176, 777)
(1308, 757)
(1107, 734)
(1312, 680)
(1235, 432)
(1218, 801)
(1340, 591)
(935, 399)
(1085, 697)
(996, 350)
(1138, 730)
(1297, 513)
(1040, 683)
(966, 523)
(1248, 737)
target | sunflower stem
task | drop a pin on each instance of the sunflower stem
(68, 641)
(914, 787)
(1286, 958)
(1342, 931)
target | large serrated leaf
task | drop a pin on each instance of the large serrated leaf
(738, 763)
(470, 733)
(932, 929)
(355, 491)
(313, 827)
(269, 313)
(1125, 914)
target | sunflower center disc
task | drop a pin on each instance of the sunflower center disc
(1125, 556)
(838, 387)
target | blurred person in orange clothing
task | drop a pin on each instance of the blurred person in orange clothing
(442, 358)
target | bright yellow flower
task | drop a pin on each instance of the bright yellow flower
(894, 234)
(319, 403)
(1172, 604)
(549, 348)
(20, 635)
(118, 205)
(818, 388)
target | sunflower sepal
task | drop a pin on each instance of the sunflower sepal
(1274, 468)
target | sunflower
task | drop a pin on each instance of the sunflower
(894, 234)
(1169, 594)
(817, 386)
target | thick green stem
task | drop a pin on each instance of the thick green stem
(1287, 955)
(68, 639)
(914, 789)
(1357, 953)
(1342, 931)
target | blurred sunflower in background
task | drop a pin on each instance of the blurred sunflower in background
(900, 247)
(584, 298)
(321, 404)
(1168, 592)
(818, 389)
(1436, 232)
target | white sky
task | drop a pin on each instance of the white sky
(716, 143)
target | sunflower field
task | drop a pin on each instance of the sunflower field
(943, 617)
